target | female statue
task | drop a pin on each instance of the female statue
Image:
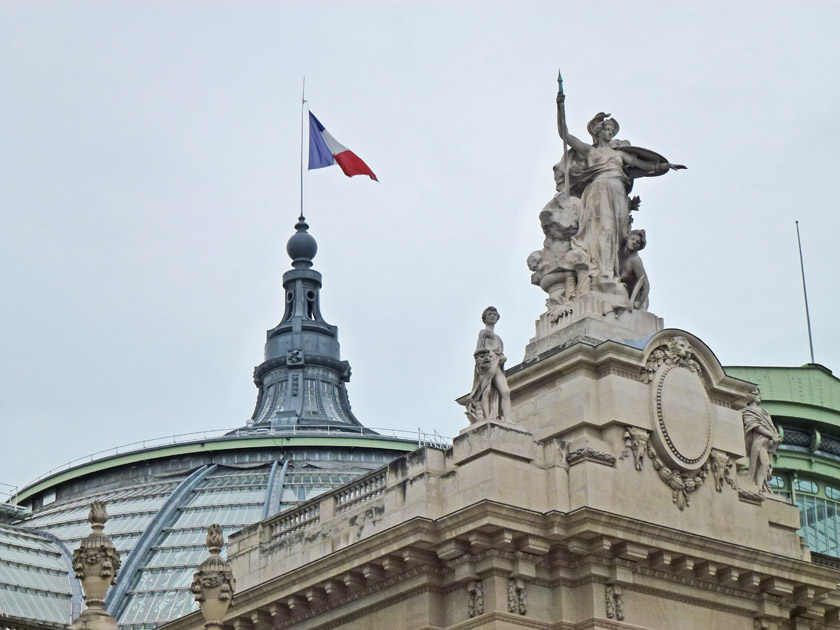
(762, 439)
(602, 174)
(490, 395)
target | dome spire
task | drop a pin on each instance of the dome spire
(302, 381)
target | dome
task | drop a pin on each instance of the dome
(302, 440)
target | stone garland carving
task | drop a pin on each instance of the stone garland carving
(96, 563)
(615, 603)
(475, 598)
(610, 602)
(517, 597)
(681, 484)
(490, 395)
(676, 352)
(619, 605)
(213, 584)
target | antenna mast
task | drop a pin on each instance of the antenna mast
(805, 293)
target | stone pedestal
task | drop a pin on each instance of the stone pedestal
(592, 318)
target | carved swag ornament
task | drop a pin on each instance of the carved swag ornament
(681, 483)
(213, 584)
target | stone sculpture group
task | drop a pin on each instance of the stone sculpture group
(590, 250)
(589, 245)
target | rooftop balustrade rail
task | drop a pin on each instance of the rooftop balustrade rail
(341, 499)
(432, 440)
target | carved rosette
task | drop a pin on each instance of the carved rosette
(213, 584)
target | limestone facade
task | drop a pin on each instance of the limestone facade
(614, 501)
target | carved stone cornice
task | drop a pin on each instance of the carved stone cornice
(588, 454)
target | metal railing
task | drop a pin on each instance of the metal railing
(432, 440)
(8, 493)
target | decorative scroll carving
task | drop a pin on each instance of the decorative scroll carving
(610, 602)
(213, 584)
(475, 598)
(517, 597)
(636, 440)
(721, 466)
(587, 453)
(96, 563)
(676, 352)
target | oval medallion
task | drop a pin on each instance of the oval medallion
(684, 418)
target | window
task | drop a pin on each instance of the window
(803, 485)
(832, 493)
(779, 482)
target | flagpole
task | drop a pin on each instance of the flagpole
(303, 128)
(805, 293)
(562, 114)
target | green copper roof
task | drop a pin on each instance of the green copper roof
(810, 392)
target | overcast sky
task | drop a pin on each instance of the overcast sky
(149, 180)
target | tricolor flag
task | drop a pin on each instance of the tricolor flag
(324, 150)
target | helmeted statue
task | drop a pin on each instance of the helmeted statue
(593, 184)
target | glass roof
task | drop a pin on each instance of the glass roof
(34, 581)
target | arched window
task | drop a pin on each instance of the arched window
(803, 485)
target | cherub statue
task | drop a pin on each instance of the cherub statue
(633, 274)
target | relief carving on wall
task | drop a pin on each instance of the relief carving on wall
(677, 352)
(614, 603)
(517, 597)
(475, 598)
(721, 466)
(681, 483)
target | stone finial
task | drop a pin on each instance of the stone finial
(96, 563)
(213, 584)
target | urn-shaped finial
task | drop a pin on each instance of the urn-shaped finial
(213, 583)
(96, 563)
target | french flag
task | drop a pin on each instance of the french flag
(324, 150)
